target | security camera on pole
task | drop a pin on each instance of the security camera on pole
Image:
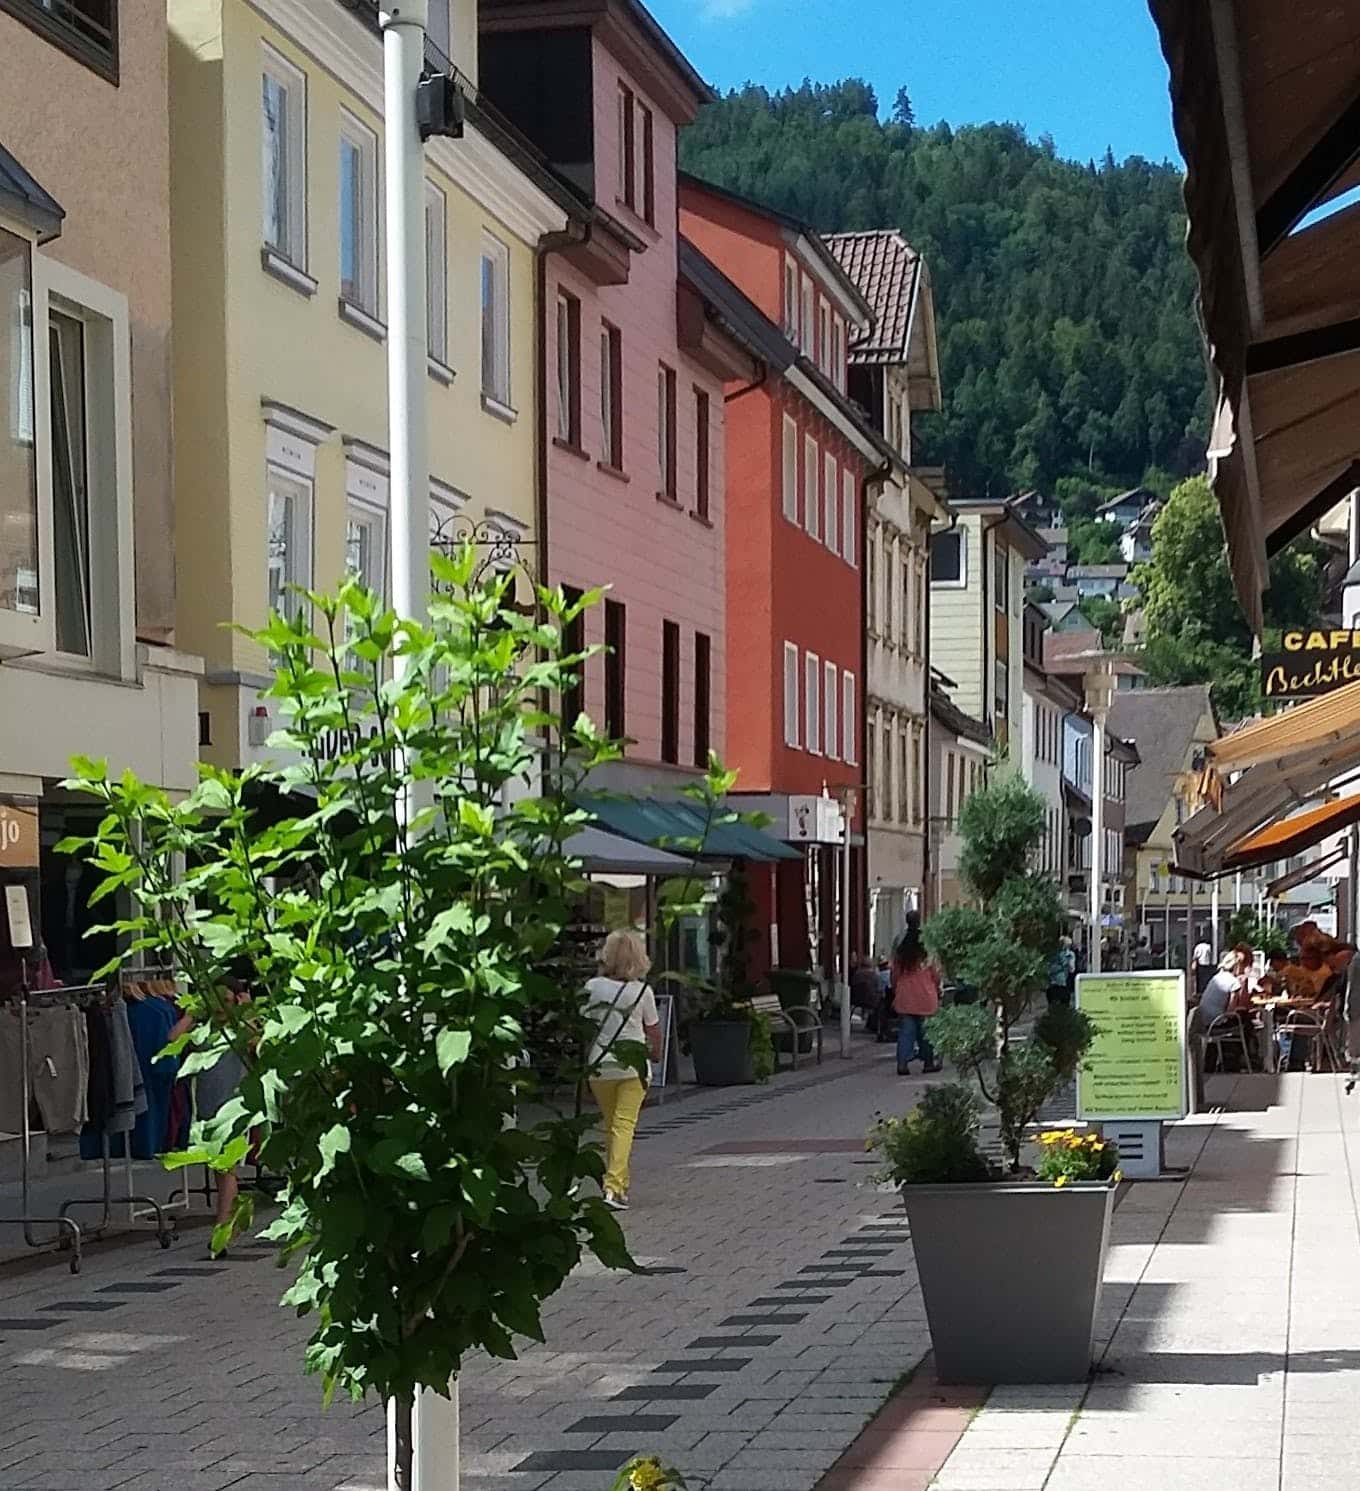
(415, 107)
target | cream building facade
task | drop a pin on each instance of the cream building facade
(894, 372)
(88, 626)
(277, 192)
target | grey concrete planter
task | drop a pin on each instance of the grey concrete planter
(1011, 1275)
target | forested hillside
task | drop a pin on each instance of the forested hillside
(1068, 344)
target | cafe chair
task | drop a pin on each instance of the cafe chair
(1228, 1031)
(1314, 1027)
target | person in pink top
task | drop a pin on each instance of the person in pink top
(916, 997)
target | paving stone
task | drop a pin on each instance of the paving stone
(705, 1364)
(635, 1423)
(574, 1460)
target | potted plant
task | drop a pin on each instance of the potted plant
(730, 1042)
(1010, 1259)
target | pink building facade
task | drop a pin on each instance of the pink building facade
(634, 371)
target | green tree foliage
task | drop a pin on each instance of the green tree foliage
(399, 924)
(1106, 616)
(1068, 345)
(1195, 630)
(1092, 541)
(1002, 947)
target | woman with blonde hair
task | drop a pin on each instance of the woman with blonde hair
(622, 1004)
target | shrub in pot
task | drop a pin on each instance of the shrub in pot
(730, 1042)
(1010, 1261)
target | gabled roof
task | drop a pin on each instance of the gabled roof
(1097, 571)
(1021, 534)
(1163, 724)
(804, 231)
(1134, 494)
(959, 724)
(887, 270)
(23, 197)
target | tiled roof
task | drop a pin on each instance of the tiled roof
(1162, 724)
(884, 266)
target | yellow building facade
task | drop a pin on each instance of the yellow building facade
(279, 291)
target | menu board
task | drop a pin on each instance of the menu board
(1135, 1067)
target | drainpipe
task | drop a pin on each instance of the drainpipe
(759, 381)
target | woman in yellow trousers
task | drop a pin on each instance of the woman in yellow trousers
(623, 1006)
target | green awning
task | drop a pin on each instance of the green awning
(677, 825)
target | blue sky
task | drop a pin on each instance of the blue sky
(1088, 72)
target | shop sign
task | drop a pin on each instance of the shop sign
(18, 837)
(1135, 1066)
(815, 820)
(1311, 663)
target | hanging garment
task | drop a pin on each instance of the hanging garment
(129, 1091)
(99, 1090)
(150, 1021)
(58, 1068)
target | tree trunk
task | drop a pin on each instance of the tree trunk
(403, 1463)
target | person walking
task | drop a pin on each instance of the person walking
(1062, 973)
(623, 1007)
(916, 997)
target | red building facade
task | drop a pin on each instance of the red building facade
(800, 461)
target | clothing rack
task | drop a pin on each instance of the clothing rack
(69, 1235)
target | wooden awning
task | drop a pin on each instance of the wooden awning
(1266, 104)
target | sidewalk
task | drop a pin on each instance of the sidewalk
(1229, 1351)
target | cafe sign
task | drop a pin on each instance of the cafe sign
(18, 837)
(1135, 1066)
(1311, 663)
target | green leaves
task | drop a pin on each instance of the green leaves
(451, 1049)
(332, 1144)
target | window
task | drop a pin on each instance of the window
(358, 214)
(824, 336)
(1001, 573)
(665, 430)
(703, 699)
(792, 732)
(871, 579)
(921, 589)
(366, 546)
(573, 645)
(849, 518)
(831, 698)
(831, 486)
(436, 272)
(838, 352)
(812, 505)
(812, 713)
(289, 539)
(791, 300)
(918, 777)
(495, 321)
(849, 720)
(615, 664)
(903, 775)
(19, 489)
(70, 483)
(908, 606)
(871, 756)
(627, 149)
(1003, 688)
(568, 369)
(438, 31)
(702, 450)
(670, 692)
(949, 786)
(947, 564)
(1155, 880)
(611, 395)
(87, 29)
(805, 327)
(284, 137)
(648, 166)
(790, 470)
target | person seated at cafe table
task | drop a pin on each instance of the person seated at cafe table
(1307, 977)
(1225, 988)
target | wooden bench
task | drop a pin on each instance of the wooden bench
(798, 1020)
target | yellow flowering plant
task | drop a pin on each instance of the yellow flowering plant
(1068, 1155)
(647, 1473)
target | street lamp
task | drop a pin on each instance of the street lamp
(1099, 693)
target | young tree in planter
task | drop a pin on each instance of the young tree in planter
(394, 966)
(1002, 947)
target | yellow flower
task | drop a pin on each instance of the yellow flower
(1117, 1176)
(1060, 1181)
(648, 1475)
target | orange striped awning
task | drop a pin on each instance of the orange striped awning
(1287, 837)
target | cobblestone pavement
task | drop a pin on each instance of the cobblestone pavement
(780, 1308)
